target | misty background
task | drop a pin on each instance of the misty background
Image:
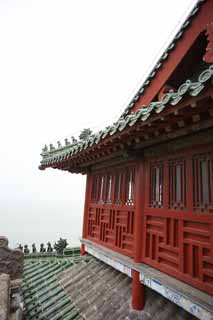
(66, 65)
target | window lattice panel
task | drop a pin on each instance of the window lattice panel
(203, 183)
(114, 228)
(181, 248)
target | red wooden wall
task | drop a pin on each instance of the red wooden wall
(111, 209)
(177, 214)
(178, 217)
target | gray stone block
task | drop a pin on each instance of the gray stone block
(4, 296)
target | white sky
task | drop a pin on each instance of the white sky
(66, 65)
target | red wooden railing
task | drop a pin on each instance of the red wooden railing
(179, 232)
(112, 227)
(180, 246)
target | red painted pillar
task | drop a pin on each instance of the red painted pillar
(138, 299)
(82, 250)
(86, 207)
(139, 208)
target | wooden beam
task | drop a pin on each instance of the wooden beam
(168, 129)
(196, 118)
(146, 136)
(86, 210)
(137, 139)
(210, 112)
(181, 124)
(178, 133)
(193, 105)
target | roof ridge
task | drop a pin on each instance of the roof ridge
(163, 57)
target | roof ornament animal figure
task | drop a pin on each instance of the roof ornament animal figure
(66, 142)
(45, 149)
(20, 247)
(52, 147)
(26, 249)
(60, 245)
(73, 140)
(34, 250)
(49, 247)
(85, 134)
(42, 248)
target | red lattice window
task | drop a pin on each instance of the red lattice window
(203, 183)
(118, 187)
(95, 184)
(177, 184)
(130, 186)
(156, 185)
(109, 188)
(101, 189)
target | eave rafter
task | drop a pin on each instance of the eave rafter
(173, 112)
(169, 128)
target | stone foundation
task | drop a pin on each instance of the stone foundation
(4, 296)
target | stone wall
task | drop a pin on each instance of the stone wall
(4, 296)
(11, 261)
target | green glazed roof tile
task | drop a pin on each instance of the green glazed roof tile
(39, 277)
(57, 310)
(44, 298)
(188, 88)
(67, 310)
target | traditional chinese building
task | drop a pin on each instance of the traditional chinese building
(149, 193)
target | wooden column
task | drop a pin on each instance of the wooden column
(189, 184)
(86, 208)
(138, 300)
(139, 208)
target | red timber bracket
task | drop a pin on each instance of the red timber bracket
(138, 299)
(208, 57)
(86, 206)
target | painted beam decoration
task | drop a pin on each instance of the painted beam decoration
(176, 297)
(111, 262)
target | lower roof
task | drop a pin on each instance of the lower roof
(43, 297)
(99, 292)
(84, 288)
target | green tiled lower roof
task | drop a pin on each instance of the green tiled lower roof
(85, 288)
(43, 297)
(69, 251)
